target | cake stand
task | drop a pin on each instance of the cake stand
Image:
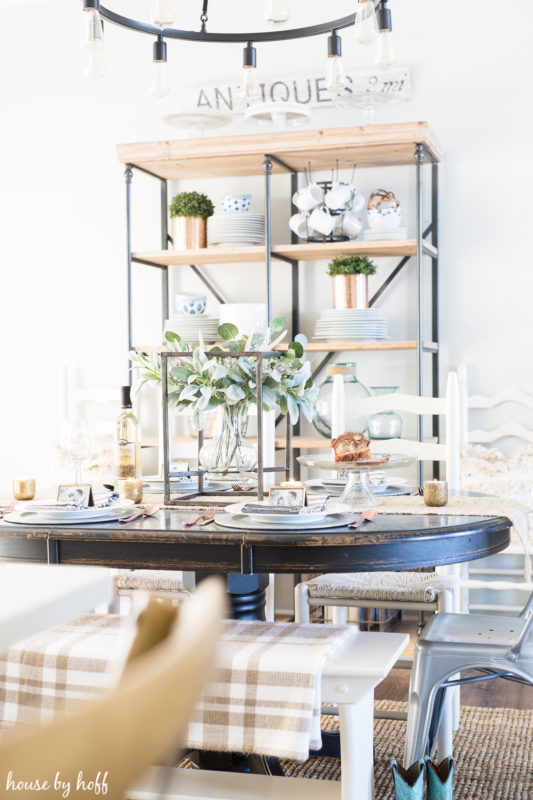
(358, 490)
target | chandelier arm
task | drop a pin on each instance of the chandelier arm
(203, 36)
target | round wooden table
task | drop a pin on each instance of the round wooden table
(391, 542)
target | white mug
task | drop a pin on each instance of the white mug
(321, 221)
(351, 225)
(358, 202)
(308, 198)
(298, 225)
(339, 196)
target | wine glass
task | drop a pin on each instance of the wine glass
(77, 442)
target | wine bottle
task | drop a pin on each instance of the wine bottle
(127, 441)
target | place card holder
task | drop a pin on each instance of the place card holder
(76, 493)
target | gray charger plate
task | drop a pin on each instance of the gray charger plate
(244, 522)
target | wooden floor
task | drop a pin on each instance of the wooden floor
(492, 694)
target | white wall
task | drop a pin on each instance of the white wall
(62, 204)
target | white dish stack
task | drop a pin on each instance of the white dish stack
(236, 229)
(189, 327)
(351, 324)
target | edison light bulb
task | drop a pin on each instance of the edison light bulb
(385, 54)
(162, 13)
(250, 90)
(160, 83)
(366, 26)
(335, 79)
(277, 11)
(92, 39)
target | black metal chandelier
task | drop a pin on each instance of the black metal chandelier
(372, 21)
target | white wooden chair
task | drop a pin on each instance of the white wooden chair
(436, 591)
(499, 575)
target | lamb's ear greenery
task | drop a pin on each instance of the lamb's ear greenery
(197, 384)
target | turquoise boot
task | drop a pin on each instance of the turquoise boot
(409, 783)
(440, 779)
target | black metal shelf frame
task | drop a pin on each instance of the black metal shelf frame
(422, 158)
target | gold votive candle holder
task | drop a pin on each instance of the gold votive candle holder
(24, 488)
(130, 489)
(435, 493)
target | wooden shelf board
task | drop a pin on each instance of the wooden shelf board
(318, 347)
(317, 251)
(212, 157)
(347, 347)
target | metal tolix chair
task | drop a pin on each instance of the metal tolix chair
(495, 646)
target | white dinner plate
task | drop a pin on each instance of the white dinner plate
(30, 510)
(293, 520)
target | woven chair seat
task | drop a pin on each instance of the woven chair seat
(414, 587)
(151, 580)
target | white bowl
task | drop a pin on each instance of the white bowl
(384, 219)
(190, 304)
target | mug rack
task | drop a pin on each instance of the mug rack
(199, 473)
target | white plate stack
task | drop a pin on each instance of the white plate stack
(189, 327)
(236, 229)
(373, 235)
(351, 324)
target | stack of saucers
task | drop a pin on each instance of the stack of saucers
(236, 228)
(351, 324)
(374, 235)
(189, 327)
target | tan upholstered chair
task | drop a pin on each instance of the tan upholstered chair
(120, 735)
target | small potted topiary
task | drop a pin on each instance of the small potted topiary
(189, 212)
(350, 280)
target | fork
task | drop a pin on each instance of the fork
(7, 510)
(208, 514)
(207, 519)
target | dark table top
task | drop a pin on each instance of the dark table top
(391, 542)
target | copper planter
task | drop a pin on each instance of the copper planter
(350, 291)
(189, 233)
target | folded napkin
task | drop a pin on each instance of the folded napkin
(466, 506)
(265, 691)
(259, 508)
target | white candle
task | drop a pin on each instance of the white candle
(338, 409)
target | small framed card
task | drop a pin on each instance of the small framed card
(287, 496)
(75, 493)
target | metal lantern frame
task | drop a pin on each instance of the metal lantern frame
(199, 473)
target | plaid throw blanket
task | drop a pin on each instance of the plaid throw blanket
(264, 695)
(51, 671)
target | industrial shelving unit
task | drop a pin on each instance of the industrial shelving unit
(404, 144)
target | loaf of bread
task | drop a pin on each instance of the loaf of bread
(351, 447)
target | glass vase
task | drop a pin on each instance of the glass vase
(229, 452)
(385, 424)
(354, 390)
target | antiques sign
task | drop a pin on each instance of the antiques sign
(308, 90)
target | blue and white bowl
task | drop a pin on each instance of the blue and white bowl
(236, 202)
(190, 304)
(384, 219)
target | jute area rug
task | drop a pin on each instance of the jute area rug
(493, 749)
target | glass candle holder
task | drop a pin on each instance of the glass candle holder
(435, 493)
(131, 489)
(24, 488)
